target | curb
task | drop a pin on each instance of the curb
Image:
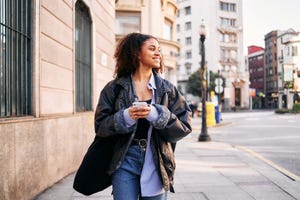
(282, 170)
(213, 126)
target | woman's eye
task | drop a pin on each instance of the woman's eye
(154, 49)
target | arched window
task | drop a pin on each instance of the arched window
(83, 58)
(15, 58)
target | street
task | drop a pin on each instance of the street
(270, 136)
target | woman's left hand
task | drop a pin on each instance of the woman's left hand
(137, 112)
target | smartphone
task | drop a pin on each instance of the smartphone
(139, 103)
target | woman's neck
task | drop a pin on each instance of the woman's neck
(140, 82)
(142, 75)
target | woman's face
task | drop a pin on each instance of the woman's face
(150, 55)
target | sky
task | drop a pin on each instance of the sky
(263, 16)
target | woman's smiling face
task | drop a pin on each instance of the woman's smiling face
(150, 55)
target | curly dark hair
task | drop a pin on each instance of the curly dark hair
(127, 53)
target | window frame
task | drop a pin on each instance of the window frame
(83, 58)
(188, 40)
(168, 29)
(187, 10)
(15, 59)
(188, 25)
(133, 16)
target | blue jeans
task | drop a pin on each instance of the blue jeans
(126, 179)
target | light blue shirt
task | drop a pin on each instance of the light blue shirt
(151, 184)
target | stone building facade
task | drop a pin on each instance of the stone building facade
(46, 121)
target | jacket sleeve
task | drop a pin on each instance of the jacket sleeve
(108, 121)
(174, 121)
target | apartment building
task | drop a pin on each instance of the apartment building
(288, 45)
(271, 67)
(223, 44)
(257, 75)
(156, 18)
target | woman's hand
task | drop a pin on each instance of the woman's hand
(137, 112)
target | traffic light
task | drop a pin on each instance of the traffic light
(298, 74)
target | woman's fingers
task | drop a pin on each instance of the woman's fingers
(139, 112)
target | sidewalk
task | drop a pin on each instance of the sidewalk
(207, 171)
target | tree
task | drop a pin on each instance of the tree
(194, 84)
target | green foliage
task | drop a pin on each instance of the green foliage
(212, 78)
(296, 108)
(282, 111)
(194, 84)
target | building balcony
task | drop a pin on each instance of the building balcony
(228, 62)
(170, 52)
(229, 29)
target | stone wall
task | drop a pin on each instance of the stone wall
(36, 153)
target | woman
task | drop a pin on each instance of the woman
(142, 165)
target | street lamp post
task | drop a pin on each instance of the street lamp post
(219, 88)
(204, 134)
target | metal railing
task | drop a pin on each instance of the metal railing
(83, 61)
(15, 58)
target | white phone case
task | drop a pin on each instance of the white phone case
(138, 104)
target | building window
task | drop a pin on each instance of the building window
(188, 67)
(167, 30)
(270, 71)
(228, 38)
(15, 58)
(178, 68)
(188, 54)
(227, 22)
(233, 38)
(127, 22)
(222, 54)
(294, 51)
(233, 54)
(188, 40)
(187, 10)
(178, 27)
(228, 54)
(228, 7)
(83, 63)
(188, 26)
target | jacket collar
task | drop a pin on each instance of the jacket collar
(124, 82)
(161, 83)
(152, 82)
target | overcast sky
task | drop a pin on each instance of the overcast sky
(263, 16)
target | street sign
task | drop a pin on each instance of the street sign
(219, 81)
(219, 89)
